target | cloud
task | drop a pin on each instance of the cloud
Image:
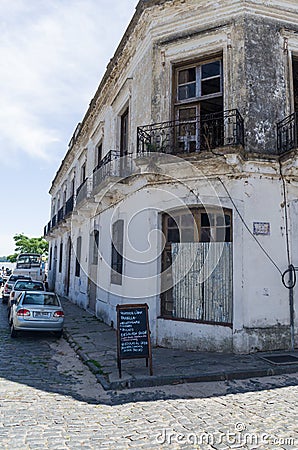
(53, 55)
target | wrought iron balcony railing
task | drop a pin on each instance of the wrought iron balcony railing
(287, 134)
(54, 221)
(47, 229)
(69, 205)
(112, 165)
(60, 215)
(196, 134)
(84, 190)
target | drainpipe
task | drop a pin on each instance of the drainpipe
(291, 284)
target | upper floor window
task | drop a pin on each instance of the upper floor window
(199, 81)
(98, 155)
(83, 173)
(72, 186)
(198, 106)
(295, 83)
(124, 133)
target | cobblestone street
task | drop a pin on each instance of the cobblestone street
(49, 399)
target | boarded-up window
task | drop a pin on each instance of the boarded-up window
(197, 265)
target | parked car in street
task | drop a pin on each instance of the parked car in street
(20, 286)
(9, 285)
(1, 281)
(37, 311)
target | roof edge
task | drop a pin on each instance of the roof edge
(139, 9)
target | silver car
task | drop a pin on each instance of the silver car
(19, 287)
(8, 286)
(37, 311)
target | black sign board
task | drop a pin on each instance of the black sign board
(133, 334)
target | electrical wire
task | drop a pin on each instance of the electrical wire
(293, 278)
(248, 229)
(243, 221)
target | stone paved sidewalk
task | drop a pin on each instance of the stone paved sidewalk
(96, 344)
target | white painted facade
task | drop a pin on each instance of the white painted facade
(244, 181)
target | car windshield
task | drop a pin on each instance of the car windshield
(28, 261)
(28, 286)
(40, 299)
(14, 278)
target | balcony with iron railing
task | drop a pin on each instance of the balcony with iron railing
(113, 165)
(81, 192)
(287, 134)
(197, 134)
(69, 206)
(47, 229)
(54, 221)
(60, 215)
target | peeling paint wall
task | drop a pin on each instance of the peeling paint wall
(257, 40)
(265, 83)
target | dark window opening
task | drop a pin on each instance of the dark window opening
(78, 257)
(98, 156)
(83, 173)
(295, 83)
(117, 252)
(199, 106)
(124, 134)
(50, 258)
(95, 247)
(60, 257)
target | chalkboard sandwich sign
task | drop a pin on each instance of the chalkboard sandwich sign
(133, 334)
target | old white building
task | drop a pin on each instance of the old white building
(179, 187)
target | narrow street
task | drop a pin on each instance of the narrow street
(49, 399)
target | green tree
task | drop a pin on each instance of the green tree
(24, 244)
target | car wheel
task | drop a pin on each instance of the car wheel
(59, 333)
(13, 331)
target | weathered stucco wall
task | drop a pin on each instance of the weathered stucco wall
(265, 83)
(250, 36)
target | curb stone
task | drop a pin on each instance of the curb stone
(153, 381)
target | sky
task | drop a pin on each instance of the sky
(53, 55)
